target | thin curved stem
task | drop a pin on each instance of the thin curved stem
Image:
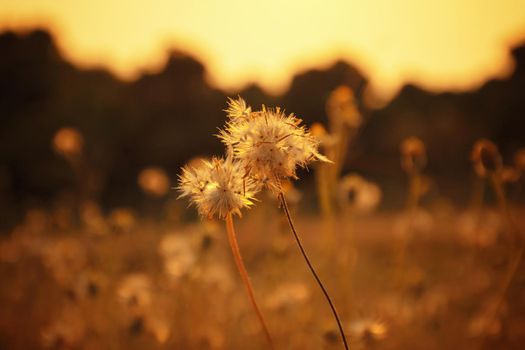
(244, 275)
(509, 276)
(305, 256)
(515, 235)
(504, 207)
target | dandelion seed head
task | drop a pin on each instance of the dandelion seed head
(270, 145)
(238, 109)
(217, 187)
(358, 194)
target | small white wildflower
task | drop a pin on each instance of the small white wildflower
(178, 254)
(270, 145)
(359, 194)
(217, 187)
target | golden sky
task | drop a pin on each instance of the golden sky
(440, 44)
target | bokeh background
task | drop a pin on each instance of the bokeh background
(143, 85)
(448, 72)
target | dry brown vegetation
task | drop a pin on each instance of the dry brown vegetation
(154, 285)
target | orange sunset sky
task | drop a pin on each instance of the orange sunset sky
(440, 45)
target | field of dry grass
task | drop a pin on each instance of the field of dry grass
(132, 283)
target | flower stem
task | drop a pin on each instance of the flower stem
(305, 256)
(515, 235)
(504, 207)
(412, 206)
(244, 275)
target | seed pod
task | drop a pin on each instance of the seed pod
(486, 157)
(68, 142)
(413, 155)
(341, 108)
(154, 182)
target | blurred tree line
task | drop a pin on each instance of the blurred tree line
(164, 119)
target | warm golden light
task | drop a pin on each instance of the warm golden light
(448, 44)
(154, 181)
(68, 142)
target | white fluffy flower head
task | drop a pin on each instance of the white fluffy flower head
(238, 109)
(217, 187)
(359, 194)
(270, 145)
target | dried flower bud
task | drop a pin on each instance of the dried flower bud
(341, 108)
(218, 187)
(270, 146)
(413, 155)
(357, 193)
(154, 181)
(486, 157)
(68, 142)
